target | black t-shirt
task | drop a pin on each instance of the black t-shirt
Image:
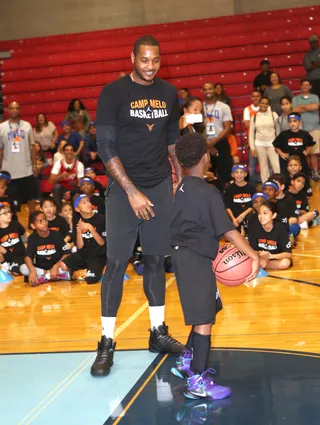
(10, 239)
(262, 80)
(293, 143)
(275, 242)
(199, 218)
(301, 200)
(91, 247)
(137, 123)
(46, 252)
(59, 224)
(99, 189)
(307, 190)
(252, 219)
(286, 208)
(239, 198)
(5, 200)
(98, 204)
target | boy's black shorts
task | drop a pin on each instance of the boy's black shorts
(93, 264)
(199, 296)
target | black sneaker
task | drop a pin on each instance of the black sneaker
(161, 341)
(104, 360)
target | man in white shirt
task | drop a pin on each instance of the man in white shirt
(18, 155)
(218, 124)
(248, 113)
(65, 175)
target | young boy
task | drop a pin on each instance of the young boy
(12, 249)
(44, 251)
(90, 237)
(238, 197)
(297, 191)
(98, 188)
(55, 222)
(293, 167)
(11, 192)
(87, 187)
(199, 222)
(4, 198)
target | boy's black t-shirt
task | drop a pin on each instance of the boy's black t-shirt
(301, 200)
(286, 208)
(5, 200)
(239, 198)
(275, 242)
(252, 219)
(139, 121)
(98, 204)
(99, 189)
(307, 190)
(293, 143)
(10, 239)
(91, 247)
(46, 252)
(59, 224)
(199, 217)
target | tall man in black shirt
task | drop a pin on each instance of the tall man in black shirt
(137, 126)
(262, 80)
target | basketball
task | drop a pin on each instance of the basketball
(231, 266)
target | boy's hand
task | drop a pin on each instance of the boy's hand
(235, 222)
(263, 254)
(2, 250)
(83, 225)
(240, 219)
(284, 156)
(54, 272)
(255, 268)
(32, 277)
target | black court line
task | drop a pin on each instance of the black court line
(305, 282)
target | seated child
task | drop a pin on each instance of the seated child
(87, 186)
(293, 167)
(257, 199)
(296, 190)
(98, 188)
(199, 221)
(55, 222)
(11, 191)
(66, 212)
(270, 239)
(44, 251)
(238, 197)
(90, 237)
(12, 250)
(5, 199)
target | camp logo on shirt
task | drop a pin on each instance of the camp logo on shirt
(17, 133)
(241, 198)
(9, 240)
(148, 109)
(295, 141)
(46, 250)
(267, 244)
(55, 229)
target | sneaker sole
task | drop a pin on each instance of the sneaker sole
(176, 373)
(191, 396)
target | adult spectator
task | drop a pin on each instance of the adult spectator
(78, 116)
(275, 92)
(311, 64)
(307, 104)
(286, 107)
(221, 94)
(183, 95)
(65, 175)
(262, 80)
(18, 155)
(45, 133)
(248, 113)
(73, 138)
(218, 125)
(261, 135)
(91, 156)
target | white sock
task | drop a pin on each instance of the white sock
(156, 316)
(304, 225)
(108, 326)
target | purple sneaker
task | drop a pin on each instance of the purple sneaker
(183, 362)
(202, 386)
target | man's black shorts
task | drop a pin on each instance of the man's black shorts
(123, 226)
(26, 188)
(200, 299)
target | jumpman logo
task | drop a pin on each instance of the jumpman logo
(181, 188)
(150, 126)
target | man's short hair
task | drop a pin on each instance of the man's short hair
(66, 146)
(264, 61)
(145, 40)
(190, 148)
(305, 80)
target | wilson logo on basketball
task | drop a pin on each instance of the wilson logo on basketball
(237, 254)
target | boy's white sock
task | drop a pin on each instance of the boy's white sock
(304, 225)
(156, 316)
(108, 326)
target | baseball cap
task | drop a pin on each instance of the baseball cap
(65, 123)
(92, 124)
(78, 199)
(295, 115)
(313, 37)
(86, 180)
(265, 60)
(239, 167)
(273, 184)
(259, 195)
(87, 170)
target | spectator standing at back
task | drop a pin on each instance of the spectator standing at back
(262, 80)
(221, 94)
(45, 133)
(78, 116)
(18, 155)
(311, 64)
(90, 146)
(275, 92)
(307, 105)
(183, 95)
(249, 112)
(71, 137)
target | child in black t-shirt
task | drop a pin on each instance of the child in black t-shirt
(296, 190)
(55, 222)
(293, 167)
(238, 197)
(270, 239)
(5, 199)
(199, 222)
(90, 237)
(44, 251)
(98, 188)
(98, 203)
(257, 199)
(12, 249)
(11, 192)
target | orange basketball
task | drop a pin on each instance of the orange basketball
(231, 266)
